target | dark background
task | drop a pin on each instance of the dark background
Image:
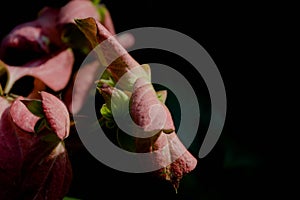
(249, 160)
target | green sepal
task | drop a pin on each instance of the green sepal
(106, 78)
(106, 112)
(102, 11)
(119, 102)
(51, 138)
(40, 125)
(125, 141)
(1, 91)
(162, 95)
(75, 39)
(35, 107)
(110, 124)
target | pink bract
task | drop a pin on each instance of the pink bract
(145, 108)
(56, 114)
(32, 165)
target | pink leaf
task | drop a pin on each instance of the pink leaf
(113, 51)
(145, 108)
(47, 177)
(54, 70)
(77, 91)
(147, 111)
(170, 150)
(22, 117)
(10, 156)
(106, 19)
(47, 169)
(56, 114)
(170, 153)
(76, 9)
(127, 40)
(34, 36)
(32, 166)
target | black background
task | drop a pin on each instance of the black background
(241, 39)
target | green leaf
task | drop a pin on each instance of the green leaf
(129, 79)
(106, 74)
(162, 95)
(3, 74)
(106, 78)
(108, 81)
(40, 125)
(119, 102)
(102, 121)
(75, 39)
(70, 198)
(96, 2)
(107, 117)
(106, 112)
(2, 69)
(1, 91)
(126, 141)
(35, 107)
(102, 12)
(110, 124)
(147, 70)
(51, 138)
(89, 28)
